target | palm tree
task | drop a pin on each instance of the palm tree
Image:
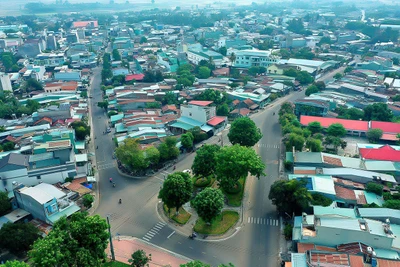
(232, 57)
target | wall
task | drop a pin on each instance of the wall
(10, 176)
(30, 205)
(198, 113)
(68, 76)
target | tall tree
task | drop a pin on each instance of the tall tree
(336, 129)
(131, 155)
(176, 190)
(204, 72)
(187, 140)
(378, 112)
(235, 162)
(18, 237)
(286, 107)
(79, 241)
(244, 132)
(374, 135)
(209, 203)
(5, 203)
(116, 55)
(168, 149)
(139, 259)
(314, 145)
(314, 127)
(289, 196)
(205, 161)
(223, 50)
(294, 140)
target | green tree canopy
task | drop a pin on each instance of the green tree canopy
(374, 135)
(294, 140)
(205, 162)
(79, 241)
(374, 188)
(204, 72)
(335, 142)
(81, 129)
(235, 162)
(312, 89)
(318, 199)
(131, 155)
(314, 127)
(168, 149)
(392, 204)
(187, 140)
(336, 129)
(14, 263)
(244, 132)
(88, 200)
(223, 110)
(314, 145)
(209, 203)
(286, 107)
(176, 190)
(198, 134)
(338, 76)
(350, 113)
(5, 203)
(116, 55)
(139, 259)
(378, 112)
(223, 50)
(289, 196)
(169, 99)
(18, 237)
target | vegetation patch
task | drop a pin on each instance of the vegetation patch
(220, 225)
(114, 264)
(203, 181)
(182, 217)
(235, 198)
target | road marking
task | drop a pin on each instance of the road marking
(148, 240)
(157, 227)
(258, 220)
(248, 220)
(150, 234)
(160, 223)
(263, 221)
(270, 221)
(171, 234)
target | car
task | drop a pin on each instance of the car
(189, 171)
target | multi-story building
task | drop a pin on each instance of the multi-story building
(197, 53)
(5, 83)
(50, 59)
(254, 58)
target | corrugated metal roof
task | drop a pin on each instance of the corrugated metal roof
(299, 260)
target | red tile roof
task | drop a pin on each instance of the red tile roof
(169, 107)
(332, 258)
(388, 263)
(303, 247)
(345, 193)
(248, 102)
(389, 137)
(136, 77)
(385, 153)
(216, 120)
(243, 111)
(326, 122)
(83, 24)
(200, 103)
(386, 127)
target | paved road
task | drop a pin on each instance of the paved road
(257, 242)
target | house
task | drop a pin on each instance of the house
(259, 99)
(240, 112)
(65, 74)
(45, 202)
(383, 153)
(49, 60)
(279, 69)
(198, 53)
(311, 107)
(134, 77)
(85, 24)
(5, 83)
(254, 58)
(169, 109)
(199, 114)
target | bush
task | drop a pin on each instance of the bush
(374, 188)
(287, 231)
(320, 200)
(288, 165)
(203, 181)
(88, 200)
(234, 190)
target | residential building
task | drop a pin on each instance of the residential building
(5, 83)
(280, 68)
(45, 202)
(254, 58)
(49, 60)
(311, 107)
(72, 37)
(65, 74)
(89, 24)
(51, 42)
(197, 53)
(259, 99)
(122, 43)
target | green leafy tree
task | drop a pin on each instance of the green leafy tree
(223, 51)
(318, 199)
(320, 85)
(348, 69)
(168, 149)
(8, 146)
(334, 141)
(212, 95)
(338, 76)
(32, 85)
(304, 77)
(79, 241)
(235, 162)
(32, 105)
(289, 196)
(314, 145)
(131, 155)
(169, 99)
(296, 141)
(223, 110)
(201, 264)
(143, 40)
(88, 200)
(139, 259)
(198, 134)
(312, 89)
(374, 135)
(392, 204)
(336, 129)
(14, 263)
(7, 61)
(244, 132)
(209, 203)
(204, 72)
(176, 190)
(103, 104)
(374, 188)
(205, 162)
(81, 129)
(350, 113)
(153, 105)
(152, 155)
(18, 237)
(187, 140)
(377, 112)
(116, 55)
(287, 107)
(314, 127)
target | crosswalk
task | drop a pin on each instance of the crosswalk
(153, 231)
(163, 175)
(263, 221)
(106, 166)
(268, 145)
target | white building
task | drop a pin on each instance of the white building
(254, 58)
(5, 83)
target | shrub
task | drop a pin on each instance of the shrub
(203, 181)
(320, 200)
(288, 165)
(287, 231)
(374, 188)
(234, 190)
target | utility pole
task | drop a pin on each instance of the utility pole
(111, 244)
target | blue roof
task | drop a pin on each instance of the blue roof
(182, 125)
(190, 121)
(299, 260)
(373, 198)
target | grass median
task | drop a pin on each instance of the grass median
(219, 226)
(235, 199)
(182, 217)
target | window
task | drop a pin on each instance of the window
(38, 177)
(190, 113)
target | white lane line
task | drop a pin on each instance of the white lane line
(258, 220)
(276, 222)
(251, 219)
(160, 225)
(270, 222)
(264, 221)
(171, 234)
(157, 227)
(152, 232)
(148, 240)
(248, 220)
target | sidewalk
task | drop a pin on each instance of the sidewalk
(124, 246)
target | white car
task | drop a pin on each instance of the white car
(187, 171)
